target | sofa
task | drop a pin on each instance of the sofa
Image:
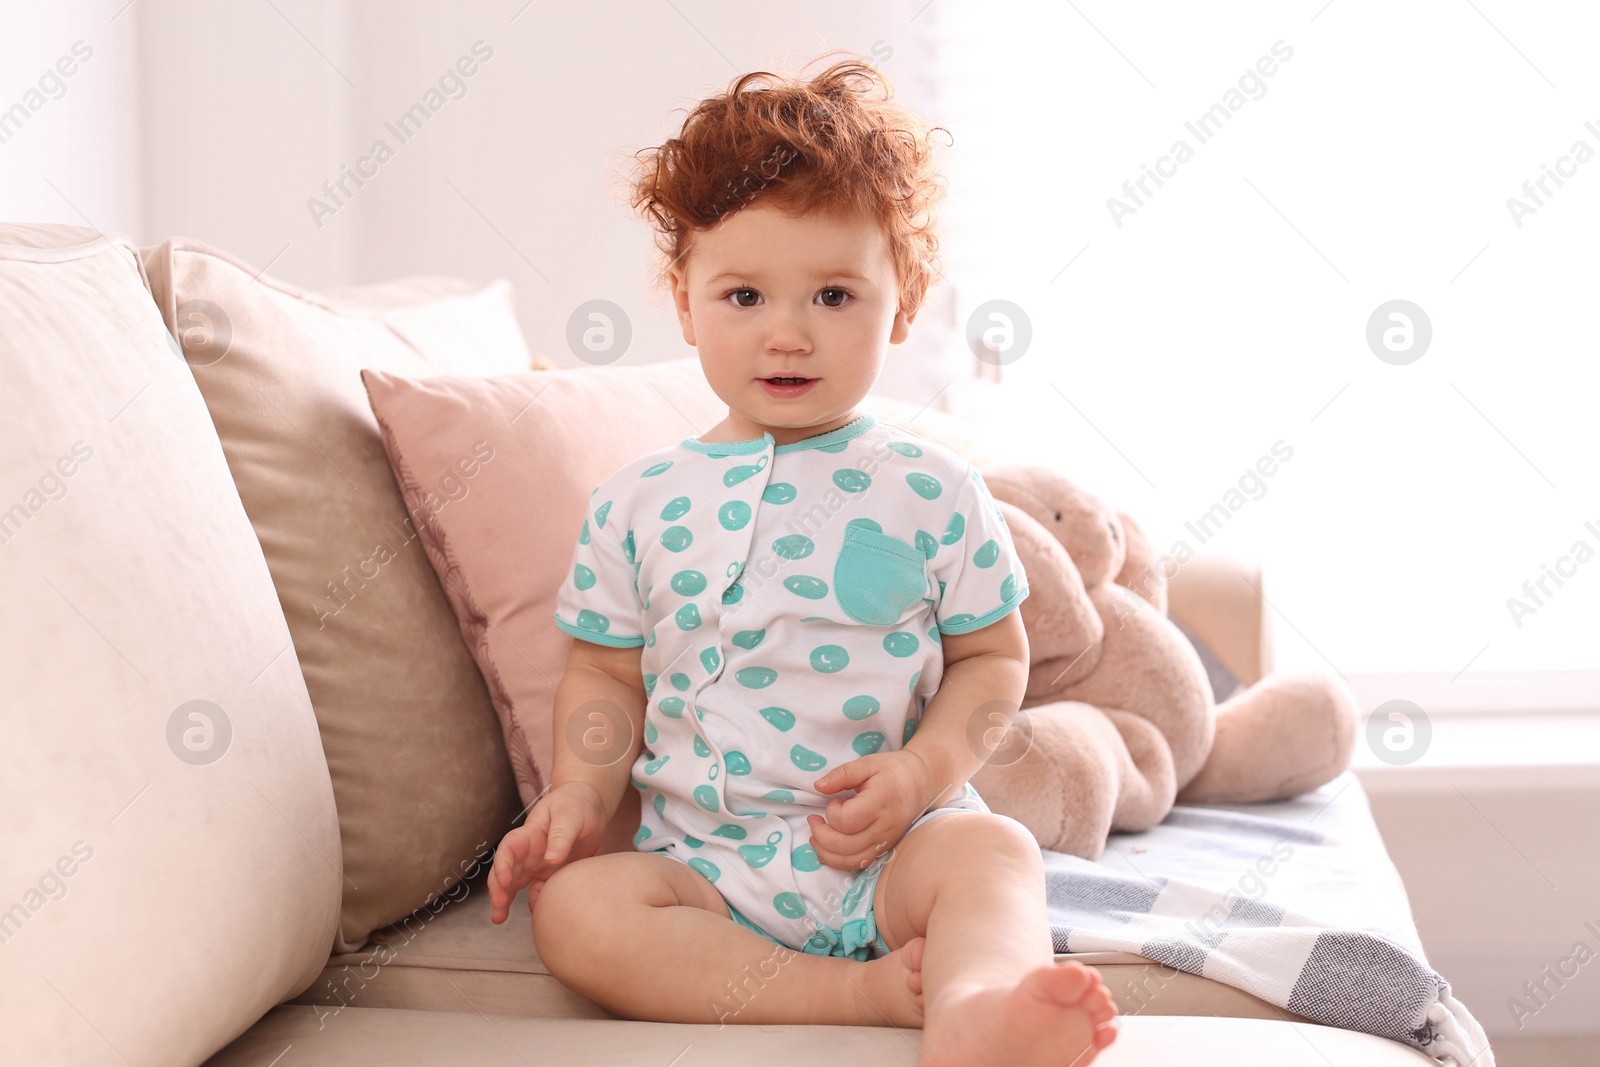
(265, 726)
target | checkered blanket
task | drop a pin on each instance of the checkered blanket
(1296, 902)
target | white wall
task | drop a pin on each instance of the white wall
(219, 121)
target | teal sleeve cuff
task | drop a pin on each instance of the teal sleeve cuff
(609, 640)
(965, 624)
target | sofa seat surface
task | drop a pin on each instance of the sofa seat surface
(297, 1036)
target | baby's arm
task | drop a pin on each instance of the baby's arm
(985, 678)
(599, 719)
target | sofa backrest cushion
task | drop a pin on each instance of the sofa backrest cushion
(170, 868)
(420, 774)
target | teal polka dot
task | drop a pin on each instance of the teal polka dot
(911, 728)
(901, 644)
(638, 838)
(1008, 588)
(782, 718)
(807, 760)
(829, 659)
(679, 680)
(805, 858)
(676, 508)
(959, 620)
(778, 493)
(837, 446)
(866, 524)
(924, 541)
(782, 796)
(628, 551)
(987, 554)
(650, 733)
(677, 538)
(649, 684)
(600, 514)
(761, 855)
(706, 867)
(738, 762)
(933, 634)
(748, 639)
(593, 620)
(789, 905)
(793, 546)
(806, 586)
(734, 475)
(655, 469)
(687, 617)
(851, 480)
(924, 485)
(660, 804)
(731, 831)
(651, 641)
(755, 677)
(656, 764)
(732, 594)
(957, 527)
(861, 707)
(582, 577)
(583, 533)
(672, 707)
(688, 583)
(915, 678)
(868, 743)
(710, 659)
(706, 797)
(906, 448)
(734, 515)
(692, 841)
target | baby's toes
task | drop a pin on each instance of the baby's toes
(1100, 1006)
(1062, 985)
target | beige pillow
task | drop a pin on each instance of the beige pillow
(419, 771)
(170, 861)
(497, 472)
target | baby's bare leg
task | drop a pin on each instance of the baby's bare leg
(973, 884)
(647, 937)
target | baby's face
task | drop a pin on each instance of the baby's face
(764, 294)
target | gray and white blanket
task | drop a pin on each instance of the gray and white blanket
(1294, 901)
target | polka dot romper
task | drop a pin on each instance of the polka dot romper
(789, 601)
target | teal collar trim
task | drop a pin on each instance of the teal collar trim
(837, 435)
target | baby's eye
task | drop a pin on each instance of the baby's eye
(735, 293)
(845, 293)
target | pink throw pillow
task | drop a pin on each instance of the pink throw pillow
(496, 473)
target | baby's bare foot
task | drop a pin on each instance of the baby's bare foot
(1059, 1014)
(889, 988)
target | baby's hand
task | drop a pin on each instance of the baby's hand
(889, 787)
(565, 825)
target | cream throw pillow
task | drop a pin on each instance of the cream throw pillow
(423, 785)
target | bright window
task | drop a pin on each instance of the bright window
(1215, 325)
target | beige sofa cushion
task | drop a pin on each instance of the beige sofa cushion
(423, 1038)
(431, 961)
(170, 860)
(419, 771)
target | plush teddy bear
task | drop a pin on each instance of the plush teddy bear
(1118, 722)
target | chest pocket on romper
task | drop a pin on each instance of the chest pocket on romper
(877, 577)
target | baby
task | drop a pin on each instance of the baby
(808, 617)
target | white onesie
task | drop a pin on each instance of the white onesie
(789, 600)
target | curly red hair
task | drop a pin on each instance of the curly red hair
(833, 145)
